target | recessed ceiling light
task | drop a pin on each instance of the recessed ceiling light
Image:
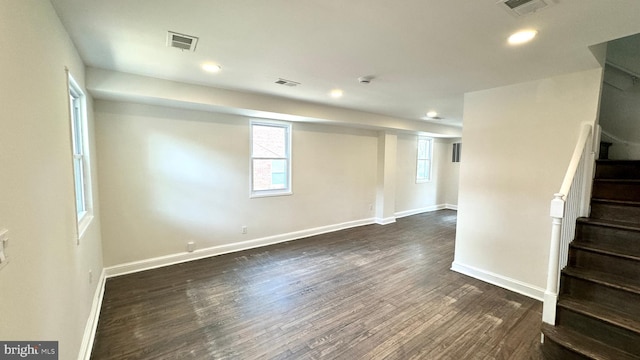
(336, 93)
(212, 68)
(522, 37)
(432, 114)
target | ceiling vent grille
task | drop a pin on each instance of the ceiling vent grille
(524, 7)
(181, 41)
(287, 82)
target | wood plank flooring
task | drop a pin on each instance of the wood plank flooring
(372, 292)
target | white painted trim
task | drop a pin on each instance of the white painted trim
(385, 221)
(152, 263)
(402, 214)
(92, 322)
(518, 286)
(451, 207)
(549, 308)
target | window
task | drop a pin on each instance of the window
(81, 168)
(423, 167)
(270, 158)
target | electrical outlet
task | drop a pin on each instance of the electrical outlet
(90, 277)
(244, 229)
(191, 246)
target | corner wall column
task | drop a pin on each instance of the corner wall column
(386, 188)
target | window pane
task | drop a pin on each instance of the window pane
(77, 126)
(422, 170)
(422, 149)
(278, 174)
(269, 141)
(269, 174)
(427, 175)
(81, 166)
(78, 172)
(427, 145)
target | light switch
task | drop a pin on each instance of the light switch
(4, 242)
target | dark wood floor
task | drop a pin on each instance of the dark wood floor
(373, 292)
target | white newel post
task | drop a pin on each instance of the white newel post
(553, 276)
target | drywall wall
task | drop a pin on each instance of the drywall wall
(45, 288)
(518, 141)
(169, 176)
(413, 197)
(451, 171)
(620, 121)
(113, 85)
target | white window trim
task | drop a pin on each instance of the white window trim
(276, 192)
(84, 218)
(429, 159)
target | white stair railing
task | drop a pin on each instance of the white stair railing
(570, 203)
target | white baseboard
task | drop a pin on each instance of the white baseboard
(500, 280)
(385, 221)
(172, 259)
(402, 214)
(92, 322)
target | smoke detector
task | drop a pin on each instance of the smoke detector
(181, 41)
(365, 79)
(524, 7)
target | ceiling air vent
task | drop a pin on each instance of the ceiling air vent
(181, 41)
(287, 82)
(524, 7)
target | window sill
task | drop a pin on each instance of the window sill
(83, 224)
(270, 194)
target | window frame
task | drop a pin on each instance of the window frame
(81, 165)
(288, 189)
(428, 159)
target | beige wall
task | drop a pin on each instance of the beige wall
(451, 173)
(518, 140)
(442, 189)
(45, 289)
(620, 121)
(170, 176)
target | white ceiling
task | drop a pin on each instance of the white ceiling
(424, 54)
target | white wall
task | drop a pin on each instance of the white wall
(518, 140)
(451, 173)
(412, 197)
(45, 289)
(168, 176)
(620, 121)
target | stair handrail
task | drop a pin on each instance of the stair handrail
(575, 190)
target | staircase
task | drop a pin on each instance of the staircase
(598, 311)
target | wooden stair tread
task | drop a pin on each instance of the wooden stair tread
(615, 180)
(602, 313)
(618, 162)
(624, 225)
(601, 278)
(616, 202)
(598, 313)
(606, 250)
(584, 345)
